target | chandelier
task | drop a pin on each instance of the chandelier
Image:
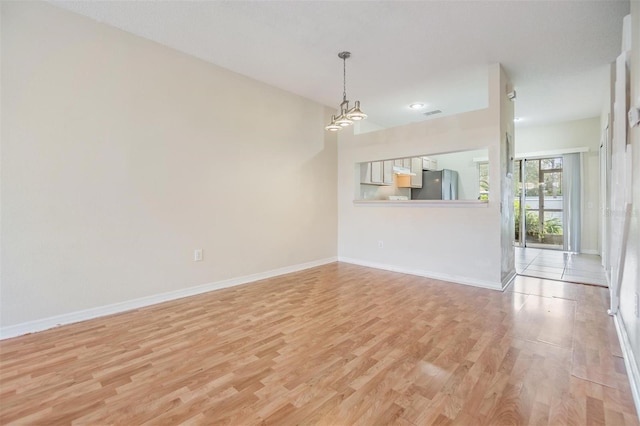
(347, 116)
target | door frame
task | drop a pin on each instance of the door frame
(537, 155)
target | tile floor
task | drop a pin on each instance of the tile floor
(560, 266)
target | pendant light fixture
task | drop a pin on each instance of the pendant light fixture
(347, 116)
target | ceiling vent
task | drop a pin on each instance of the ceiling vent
(435, 111)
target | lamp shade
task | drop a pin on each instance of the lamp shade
(355, 113)
(343, 120)
(333, 127)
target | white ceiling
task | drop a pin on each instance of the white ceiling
(556, 52)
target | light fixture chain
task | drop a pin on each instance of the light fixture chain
(344, 79)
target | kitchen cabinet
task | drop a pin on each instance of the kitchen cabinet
(372, 173)
(376, 172)
(387, 172)
(429, 163)
(416, 172)
(365, 173)
(414, 166)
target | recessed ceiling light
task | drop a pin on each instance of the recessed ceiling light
(416, 105)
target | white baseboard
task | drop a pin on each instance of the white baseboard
(428, 274)
(73, 317)
(629, 361)
(507, 280)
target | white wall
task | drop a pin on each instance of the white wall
(461, 244)
(631, 274)
(573, 134)
(121, 156)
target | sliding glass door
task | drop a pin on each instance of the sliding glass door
(539, 203)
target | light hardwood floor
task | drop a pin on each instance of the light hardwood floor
(338, 344)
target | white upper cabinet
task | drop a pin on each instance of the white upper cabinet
(387, 170)
(416, 172)
(376, 173)
(414, 167)
(429, 163)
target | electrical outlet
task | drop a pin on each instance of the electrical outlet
(197, 255)
(380, 244)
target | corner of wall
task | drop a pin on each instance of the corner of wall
(507, 154)
(625, 200)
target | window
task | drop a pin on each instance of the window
(483, 181)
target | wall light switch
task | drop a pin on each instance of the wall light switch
(197, 255)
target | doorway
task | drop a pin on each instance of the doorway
(539, 205)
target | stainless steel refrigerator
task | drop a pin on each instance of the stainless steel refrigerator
(437, 185)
